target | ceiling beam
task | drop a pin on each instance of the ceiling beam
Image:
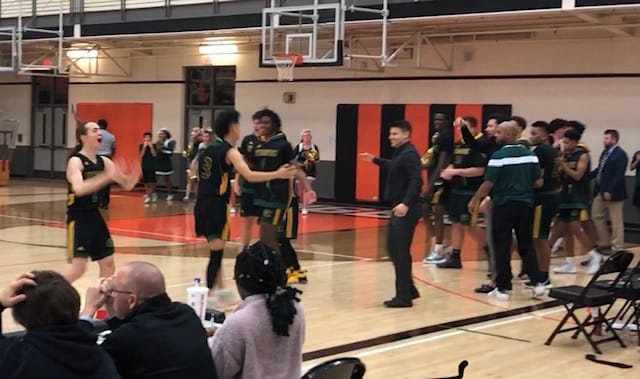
(596, 21)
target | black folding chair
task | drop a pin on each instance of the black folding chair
(627, 289)
(577, 297)
(341, 368)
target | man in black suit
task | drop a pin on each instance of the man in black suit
(610, 191)
(402, 189)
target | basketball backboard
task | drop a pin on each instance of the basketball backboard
(8, 49)
(313, 31)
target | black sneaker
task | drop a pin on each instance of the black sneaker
(485, 288)
(523, 276)
(547, 284)
(451, 262)
(397, 303)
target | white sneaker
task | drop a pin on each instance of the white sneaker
(498, 295)
(567, 268)
(147, 199)
(186, 198)
(433, 258)
(169, 197)
(232, 210)
(305, 211)
(594, 263)
(154, 197)
(538, 290)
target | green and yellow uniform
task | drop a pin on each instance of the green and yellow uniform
(273, 197)
(575, 195)
(463, 188)
(547, 197)
(247, 148)
(87, 233)
(211, 211)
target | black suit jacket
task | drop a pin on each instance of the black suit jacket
(404, 178)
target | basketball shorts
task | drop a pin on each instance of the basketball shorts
(544, 210)
(441, 196)
(459, 210)
(247, 209)
(288, 229)
(211, 216)
(273, 216)
(569, 215)
(88, 236)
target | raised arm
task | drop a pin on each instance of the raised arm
(235, 159)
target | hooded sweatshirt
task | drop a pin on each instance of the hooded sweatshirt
(160, 339)
(58, 351)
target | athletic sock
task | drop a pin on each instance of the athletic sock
(213, 268)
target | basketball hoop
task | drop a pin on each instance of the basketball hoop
(285, 64)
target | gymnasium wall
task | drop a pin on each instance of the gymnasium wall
(596, 81)
(15, 103)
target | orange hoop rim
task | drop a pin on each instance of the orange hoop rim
(295, 58)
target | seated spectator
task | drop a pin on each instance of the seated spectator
(263, 338)
(151, 336)
(55, 345)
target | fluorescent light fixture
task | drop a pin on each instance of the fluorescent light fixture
(216, 49)
(82, 53)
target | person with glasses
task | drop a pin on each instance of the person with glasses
(151, 336)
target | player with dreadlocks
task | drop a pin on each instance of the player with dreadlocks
(264, 336)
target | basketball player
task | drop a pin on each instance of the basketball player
(436, 194)
(307, 154)
(546, 198)
(465, 175)
(87, 173)
(273, 198)
(574, 201)
(287, 231)
(215, 166)
(247, 190)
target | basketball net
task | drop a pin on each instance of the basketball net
(285, 63)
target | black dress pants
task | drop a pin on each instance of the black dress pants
(513, 216)
(399, 237)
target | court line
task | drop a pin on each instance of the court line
(494, 335)
(190, 239)
(306, 268)
(34, 194)
(430, 329)
(33, 263)
(421, 340)
(467, 297)
(33, 244)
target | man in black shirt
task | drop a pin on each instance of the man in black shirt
(546, 198)
(402, 190)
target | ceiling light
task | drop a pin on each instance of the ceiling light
(211, 49)
(82, 53)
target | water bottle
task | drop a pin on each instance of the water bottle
(197, 298)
